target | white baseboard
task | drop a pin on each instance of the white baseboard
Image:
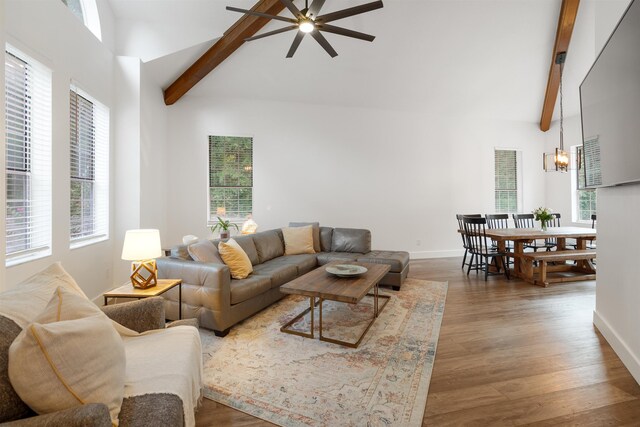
(436, 254)
(630, 360)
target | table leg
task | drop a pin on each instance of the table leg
(180, 301)
(105, 300)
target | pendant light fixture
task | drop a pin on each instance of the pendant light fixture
(558, 161)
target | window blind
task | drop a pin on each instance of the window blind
(89, 165)
(506, 181)
(591, 149)
(230, 177)
(586, 197)
(27, 157)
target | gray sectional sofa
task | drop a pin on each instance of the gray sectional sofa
(218, 301)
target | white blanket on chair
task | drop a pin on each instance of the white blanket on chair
(165, 361)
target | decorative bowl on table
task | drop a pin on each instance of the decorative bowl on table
(346, 270)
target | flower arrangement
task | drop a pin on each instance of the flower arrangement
(543, 215)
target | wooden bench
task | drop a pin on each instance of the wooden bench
(584, 266)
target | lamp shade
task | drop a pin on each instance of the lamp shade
(141, 245)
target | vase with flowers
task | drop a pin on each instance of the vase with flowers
(543, 215)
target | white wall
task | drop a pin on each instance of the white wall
(402, 175)
(62, 43)
(617, 291)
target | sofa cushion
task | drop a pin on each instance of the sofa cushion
(26, 301)
(353, 240)
(277, 272)
(235, 258)
(204, 251)
(268, 244)
(298, 240)
(315, 226)
(247, 245)
(242, 290)
(303, 262)
(326, 257)
(326, 234)
(58, 365)
(11, 406)
(397, 260)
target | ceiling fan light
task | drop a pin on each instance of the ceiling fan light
(306, 26)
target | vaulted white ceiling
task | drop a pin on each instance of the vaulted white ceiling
(486, 58)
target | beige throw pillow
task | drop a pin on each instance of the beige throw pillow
(27, 299)
(298, 240)
(236, 259)
(315, 226)
(69, 356)
(204, 251)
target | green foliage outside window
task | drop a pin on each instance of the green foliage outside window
(230, 177)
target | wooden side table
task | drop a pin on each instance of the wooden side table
(128, 291)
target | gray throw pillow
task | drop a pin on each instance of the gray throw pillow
(315, 227)
(204, 251)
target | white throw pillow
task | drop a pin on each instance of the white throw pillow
(70, 355)
(26, 301)
(298, 240)
(204, 251)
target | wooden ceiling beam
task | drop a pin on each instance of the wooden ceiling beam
(568, 13)
(232, 39)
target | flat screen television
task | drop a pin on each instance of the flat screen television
(610, 108)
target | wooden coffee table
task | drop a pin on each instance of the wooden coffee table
(325, 286)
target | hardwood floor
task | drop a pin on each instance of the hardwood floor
(511, 353)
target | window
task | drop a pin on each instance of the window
(584, 200)
(506, 181)
(27, 158)
(75, 6)
(230, 177)
(89, 161)
(87, 12)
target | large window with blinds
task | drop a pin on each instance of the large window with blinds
(27, 158)
(584, 200)
(230, 177)
(89, 164)
(506, 181)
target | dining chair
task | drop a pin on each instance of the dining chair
(480, 247)
(528, 221)
(553, 222)
(499, 221)
(465, 244)
(591, 244)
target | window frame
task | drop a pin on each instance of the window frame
(518, 184)
(34, 104)
(211, 215)
(578, 189)
(99, 174)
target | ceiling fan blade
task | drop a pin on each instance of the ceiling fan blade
(292, 8)
(295, 44)
(345, 32)
(324, 43)
(263, 15)
(345, 13)
(271, 33)
(315, 7)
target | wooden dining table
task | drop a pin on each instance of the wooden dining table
(582, 270)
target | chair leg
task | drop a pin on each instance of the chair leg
(470, 262)
(464, 258)
(486, 269)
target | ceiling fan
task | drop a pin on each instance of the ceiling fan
(307, 21)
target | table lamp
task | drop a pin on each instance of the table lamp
(141, 247)
(249, 226)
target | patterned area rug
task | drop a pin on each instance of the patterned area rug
(295, 381)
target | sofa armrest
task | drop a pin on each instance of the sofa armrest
(214, 278)
(91, 414)
(141, 315)
(184, 322)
